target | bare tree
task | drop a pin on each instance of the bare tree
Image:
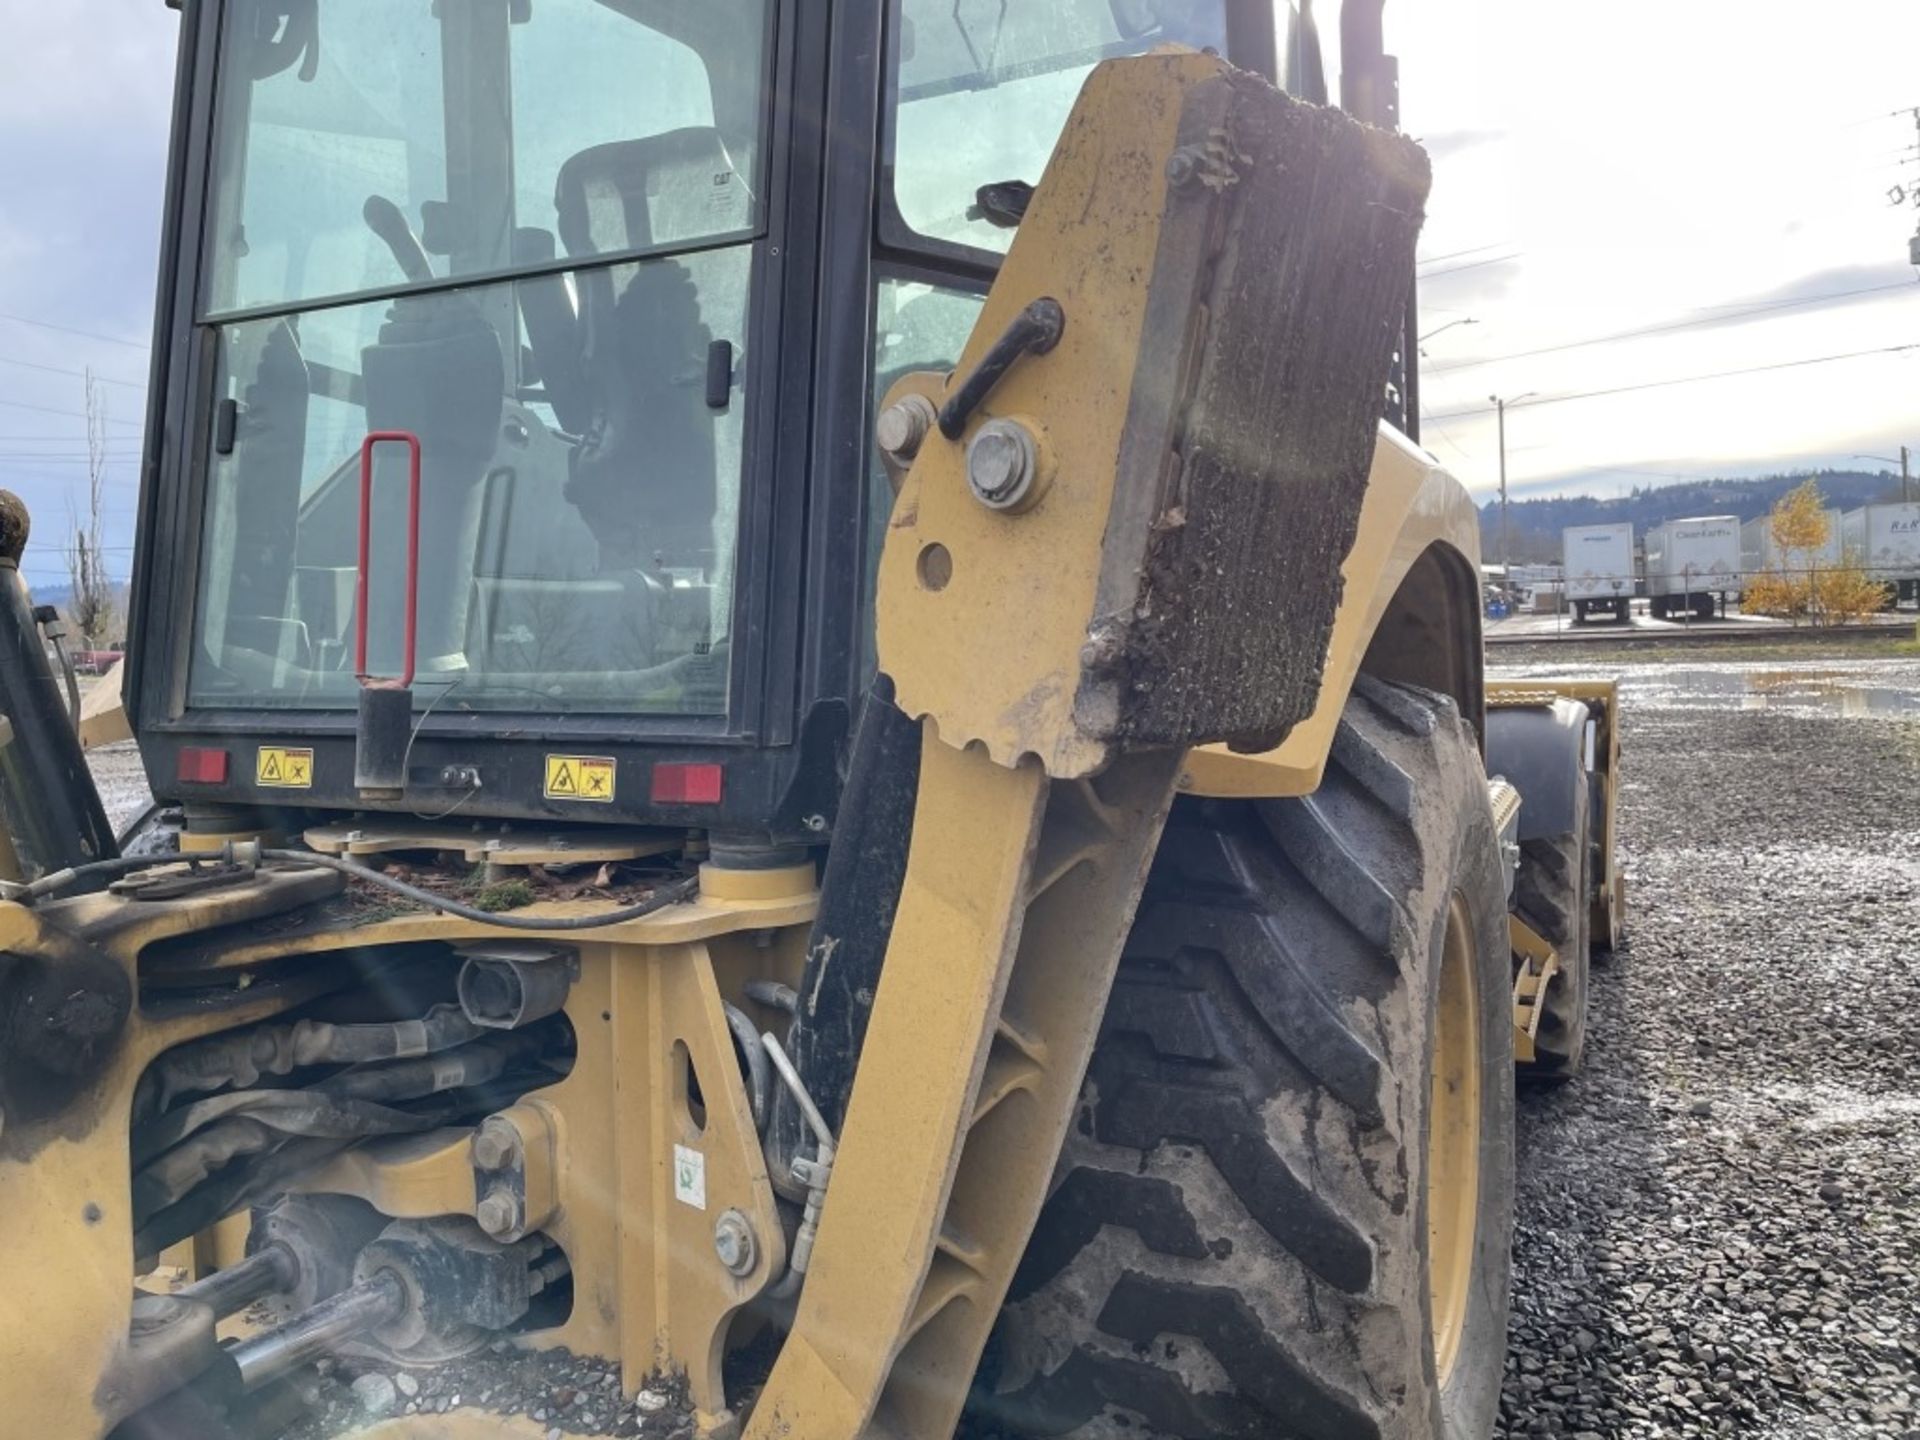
(90, 605)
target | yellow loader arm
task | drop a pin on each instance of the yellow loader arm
(1128, 546)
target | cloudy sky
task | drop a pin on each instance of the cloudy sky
(1712, 171)
(1709, 171)
(84, 96)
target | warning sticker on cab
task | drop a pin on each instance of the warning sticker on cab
(282, 768)
(580, 777)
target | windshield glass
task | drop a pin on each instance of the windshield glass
(556, 570)
(982, 88)
(581, 429)
(371, 143)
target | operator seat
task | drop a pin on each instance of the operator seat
(643, 477)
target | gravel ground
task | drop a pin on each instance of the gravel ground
(561, 1395)
(1720, 1220)
(122, 783)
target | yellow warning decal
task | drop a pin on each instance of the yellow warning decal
(580, 777)
(286, 769)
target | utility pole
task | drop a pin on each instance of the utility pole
(1909, 192)
(1506, 543)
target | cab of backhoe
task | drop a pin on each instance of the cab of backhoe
(529, 349)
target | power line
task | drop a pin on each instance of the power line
(1471, 265)
(77, 374)
(1456, 254)
(70, 414)
(1724, 314)
(69, 330)
(67, 438)
(1676, 380)
(121, 456)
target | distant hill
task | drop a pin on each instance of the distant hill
(1536, 524)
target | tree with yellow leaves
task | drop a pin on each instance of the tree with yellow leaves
(1800, 530)
(1799, 524)
(1799, 587)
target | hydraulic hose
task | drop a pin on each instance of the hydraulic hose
(666, 895)
(241, 1058)
(58, 880)
(674, 894)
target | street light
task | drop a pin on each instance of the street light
(1466, 320)
(1506, 552)
(1889, 460)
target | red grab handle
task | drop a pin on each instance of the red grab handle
(412, 442)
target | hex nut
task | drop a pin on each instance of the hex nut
(498, 1212)
(495, 1143)
(734, 1243)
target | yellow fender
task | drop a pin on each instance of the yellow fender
(1416, 559)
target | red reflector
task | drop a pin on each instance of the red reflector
(686, 784)
(201, 766)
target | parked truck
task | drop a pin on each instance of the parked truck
(1691, 563)
(1597, 561)
(1760, 552)
(1884, 540)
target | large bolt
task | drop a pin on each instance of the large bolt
(903, 425)
(1002, 461)
(733, 1242)
(498, 1212)
(495, 1143)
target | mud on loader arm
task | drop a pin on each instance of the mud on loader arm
(1130, 546)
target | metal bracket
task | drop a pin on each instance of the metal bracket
(1538, 965)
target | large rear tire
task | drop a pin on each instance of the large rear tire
(1287, 1204)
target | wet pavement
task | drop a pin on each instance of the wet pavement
(1641, 626)
(1864, 688)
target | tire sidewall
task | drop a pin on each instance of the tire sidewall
(1467, 1408)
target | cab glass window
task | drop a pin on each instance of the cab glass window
(981, 88)
(368, 144)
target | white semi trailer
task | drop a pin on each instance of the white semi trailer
(1884, 541)
(1691, 564)
(1760, 553)
(1597, 563)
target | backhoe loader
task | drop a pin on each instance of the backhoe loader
(818, 731)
